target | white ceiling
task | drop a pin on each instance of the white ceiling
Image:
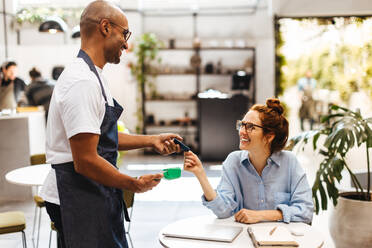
(194, 4)
(146, 4)
(57, 3)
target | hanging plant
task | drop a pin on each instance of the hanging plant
(38, 15)
(146, 51)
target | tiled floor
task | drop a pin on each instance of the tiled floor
(170, 201)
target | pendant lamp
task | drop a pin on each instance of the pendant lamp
(53, 25)
(75, 32)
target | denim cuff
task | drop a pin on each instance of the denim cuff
(286, 211)
(217, 205)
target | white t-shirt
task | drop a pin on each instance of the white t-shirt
(77, 106)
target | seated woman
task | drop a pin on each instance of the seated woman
(261, 182)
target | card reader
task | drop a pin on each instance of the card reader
(184, 147)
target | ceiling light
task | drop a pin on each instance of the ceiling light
(75, 33)
(53, 25)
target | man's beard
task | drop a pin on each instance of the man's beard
(112, 57)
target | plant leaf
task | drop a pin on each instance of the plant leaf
(315, 197)
(323, 196)
(326, 118)
(315, 140)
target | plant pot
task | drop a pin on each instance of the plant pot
(351, 222)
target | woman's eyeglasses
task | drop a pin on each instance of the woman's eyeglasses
(249, 126)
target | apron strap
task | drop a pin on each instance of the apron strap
(92, 67)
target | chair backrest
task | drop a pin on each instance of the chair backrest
(13, 221)
(38, 159)
(128, 197)
(362, 178)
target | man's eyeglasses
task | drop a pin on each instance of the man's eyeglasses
(126, 32)
(249, 126)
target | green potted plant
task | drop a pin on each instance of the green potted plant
(342, 129)
(146, 51)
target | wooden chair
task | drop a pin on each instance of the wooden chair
(128, 197)
(37, 159)
(39, 202)
(53, 228)
(12, 222)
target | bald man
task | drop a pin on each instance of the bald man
(83, 191)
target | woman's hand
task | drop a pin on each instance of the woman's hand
(192, 163)
(248, 216)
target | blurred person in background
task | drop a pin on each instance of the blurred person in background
(39, 91)
(12, 88)
(56, 72)
(306, 86)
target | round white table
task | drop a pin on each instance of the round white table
(29, 176)
(34, 176)
(311, 237)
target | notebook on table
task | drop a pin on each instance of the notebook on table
(271, 236)
(205, 232)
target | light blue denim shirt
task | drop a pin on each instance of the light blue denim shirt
(283, 185)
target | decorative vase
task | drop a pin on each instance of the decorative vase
(351, 222)
(195, 61)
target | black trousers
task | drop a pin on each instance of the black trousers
(55, 216)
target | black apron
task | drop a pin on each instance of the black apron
(91, 213)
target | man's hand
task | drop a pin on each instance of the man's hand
(163, 143)
(146, 183)
(248, 216)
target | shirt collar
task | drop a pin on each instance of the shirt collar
(244, 157)
(273, 159)
(98, 69)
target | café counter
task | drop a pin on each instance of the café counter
(21, 135)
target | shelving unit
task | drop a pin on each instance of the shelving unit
(195, 80)
(163, 110)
